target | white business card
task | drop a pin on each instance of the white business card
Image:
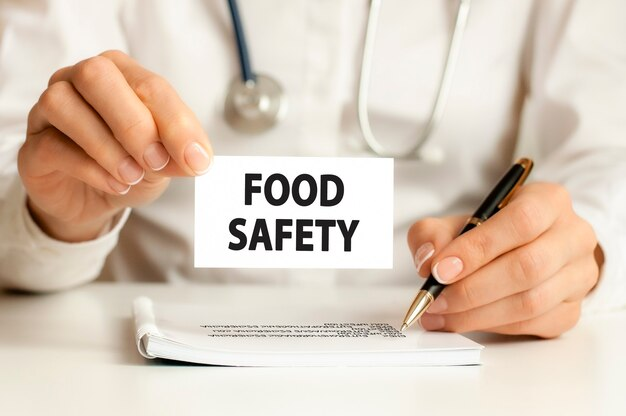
(295, 212)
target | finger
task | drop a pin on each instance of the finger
(518, 307)
(51, 151)
(61, 106)
(528, 215)
(179, 129)
(62, 74)
(589, 273)
(103, 86)
(514, 272)
(429, 235)
(549, 325)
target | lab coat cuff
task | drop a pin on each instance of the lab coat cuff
(34, 261)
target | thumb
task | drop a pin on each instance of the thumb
(429, 236)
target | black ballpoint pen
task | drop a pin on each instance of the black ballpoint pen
(495, 201)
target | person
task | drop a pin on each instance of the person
(126, 106)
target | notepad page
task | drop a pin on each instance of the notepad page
(315, 335)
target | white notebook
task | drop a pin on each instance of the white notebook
(341, 334)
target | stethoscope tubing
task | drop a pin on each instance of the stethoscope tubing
(263, 121)
(247, 75)
(443, 92)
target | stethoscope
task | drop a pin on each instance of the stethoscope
(256, 102)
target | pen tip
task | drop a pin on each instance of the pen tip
(404, 326)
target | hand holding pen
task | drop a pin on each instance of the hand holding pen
(524, 271)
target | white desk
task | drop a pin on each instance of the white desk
(74, 353)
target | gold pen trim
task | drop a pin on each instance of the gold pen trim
(474, 220)
(527, 164)
(422, 301)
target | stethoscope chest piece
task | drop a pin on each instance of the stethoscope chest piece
(254, 107)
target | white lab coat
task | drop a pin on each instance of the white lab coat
(546, 79)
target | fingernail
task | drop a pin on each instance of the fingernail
(197, 158)
(447, 269)
(432, 322)
(422, 254)
(118, 187)
(130, 171)
(439, 305)
(156, 156)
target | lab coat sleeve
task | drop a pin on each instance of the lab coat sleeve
(33, 261)
(574, 123)
(37, 38)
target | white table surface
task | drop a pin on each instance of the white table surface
(74, 353)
